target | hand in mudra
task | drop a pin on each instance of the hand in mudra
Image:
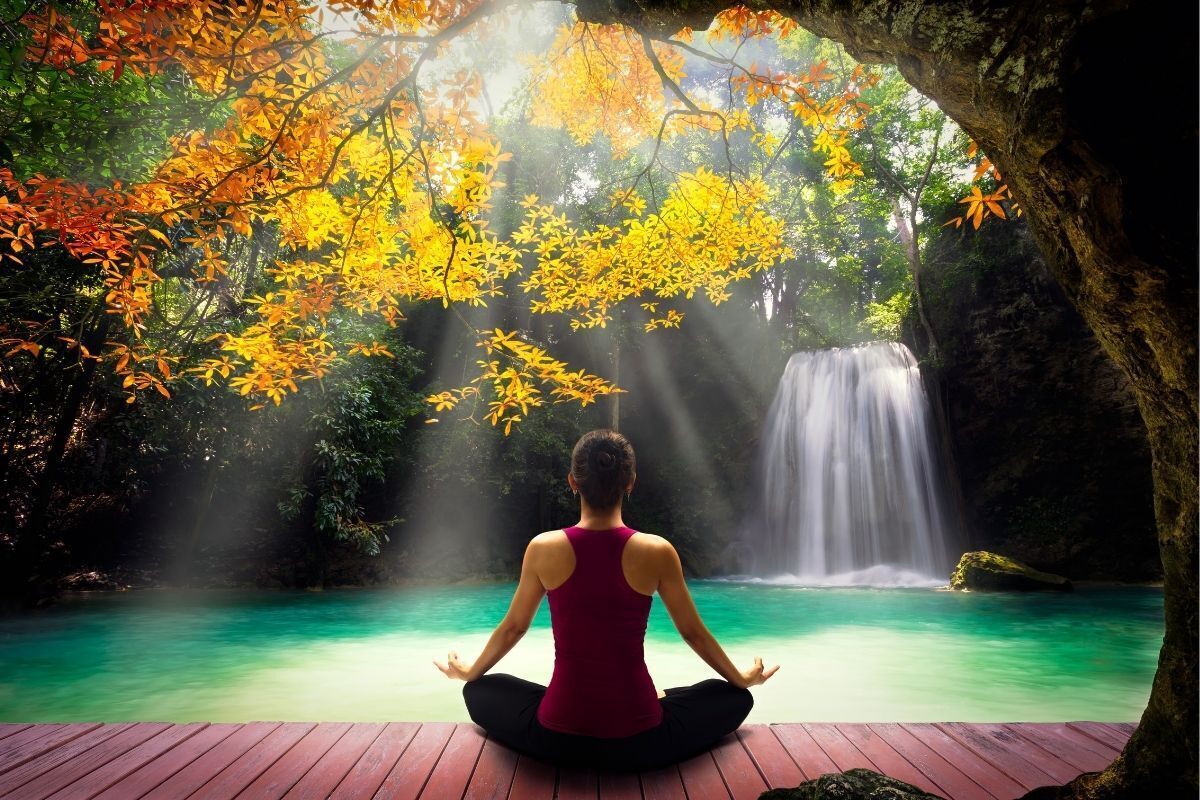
(756, 675)
(454, 668)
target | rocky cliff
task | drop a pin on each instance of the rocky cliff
(1051, 452)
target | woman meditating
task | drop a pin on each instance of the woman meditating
(601, 708)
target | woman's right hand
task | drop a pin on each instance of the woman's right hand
(755, 675)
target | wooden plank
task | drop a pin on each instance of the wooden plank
(197, 772)
(966, 760)
(1058, 769)
(1080, 739)
(373, 766)
(142, 780)
(88, 760)
(534, 779)
(453, 770)
(951, 781)
(9, 728)
(33, 742)
(702, 778)
(63, 753)
(320, 781)
(738, 770)
(1124, 729)
(841, 751)
(999, 754)
(30, 734)
(885, 758)
(1102, 734)
(578, 783)
(493, 775)
(230, 781)
(99, 779)
(663, 784)
(1083, 759)
(620, 786)
(769, 756)
(407, 777)
(807, 754)
(291, 766)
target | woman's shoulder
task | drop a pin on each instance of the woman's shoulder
(548, 538)
(651, 543)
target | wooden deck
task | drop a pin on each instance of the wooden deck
(397, 760)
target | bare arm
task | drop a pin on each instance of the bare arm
(525, 602)
(675, 596)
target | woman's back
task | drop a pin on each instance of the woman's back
(600, 685)
(637, 564)
(601, 707)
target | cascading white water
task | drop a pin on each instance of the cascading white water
(850, 489)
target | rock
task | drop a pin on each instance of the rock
(854, 784)
(984, 571)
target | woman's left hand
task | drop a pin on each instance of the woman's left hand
(454, 668)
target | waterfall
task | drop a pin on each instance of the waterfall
(850, 489)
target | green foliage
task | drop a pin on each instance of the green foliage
(884, 319)
(357, 429)
(86, 126)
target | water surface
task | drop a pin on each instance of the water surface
(847, 654)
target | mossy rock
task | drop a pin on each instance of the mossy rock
(984, 571)
(854, 784)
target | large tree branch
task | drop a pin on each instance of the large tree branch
(1029, 81)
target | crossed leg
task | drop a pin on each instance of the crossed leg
(694, 719)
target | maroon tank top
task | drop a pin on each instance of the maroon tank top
(600, 685)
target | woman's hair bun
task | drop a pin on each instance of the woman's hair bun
(605, 460)
(603, 466)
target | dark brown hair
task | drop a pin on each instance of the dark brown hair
(602, 464)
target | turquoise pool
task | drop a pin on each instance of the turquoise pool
(847, 655)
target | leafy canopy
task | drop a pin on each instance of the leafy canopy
(378, 182)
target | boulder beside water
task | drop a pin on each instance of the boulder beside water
(853, 784)
(984, 571)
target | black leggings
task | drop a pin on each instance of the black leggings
(694, 719)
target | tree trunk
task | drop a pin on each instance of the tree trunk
(615, 420)
(315, 555)
(1048, 91)
(31, 543)
(913, 254)
(199, 522)
(933, 375)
